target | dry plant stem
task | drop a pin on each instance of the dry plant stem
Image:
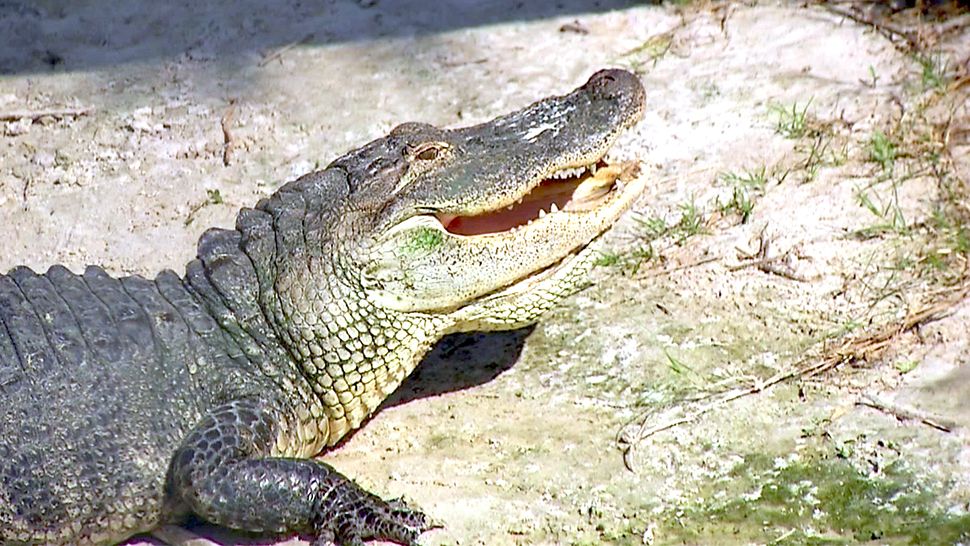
(278, 53)
(646, 431)
(772, 265)
(787, 534)
(904, 413)
(862, 347)
(669, 270)
(953, 24)
(227, 140)
(913, 36)
(888, 29)
(56, 113)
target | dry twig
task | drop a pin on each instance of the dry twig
(884, 27)
(778, 265)
(689, 265)
(278, 52)
(575, 26)
(915, 36)
(227, 140)
(903, 413)
(56, 113)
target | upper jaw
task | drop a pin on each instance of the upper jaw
(496, 164)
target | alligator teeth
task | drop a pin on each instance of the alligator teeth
(568, 173)
(541, 213)
(592, 168)
(552, 208)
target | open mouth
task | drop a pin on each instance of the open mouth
(566, 190)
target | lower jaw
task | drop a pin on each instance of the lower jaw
(574, 260)
(579, 260)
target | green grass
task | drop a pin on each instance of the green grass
(821, 154)
(906, 366)
(873, 77)
(652, 228)
(756, 179)
(691, 222)
(791, 121)
(954, 233)
(740, 204)
(948, 247)
(676, 365)
(889, 214)
(960, 240)
(743, 187)
(709, 90)
(933, 71)
(882, 151)
(212, 197)
(608, 258)
(629, 262)
(648, 53)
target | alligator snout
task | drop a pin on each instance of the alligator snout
(617, 85)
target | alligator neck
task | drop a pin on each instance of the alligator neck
(352, 352)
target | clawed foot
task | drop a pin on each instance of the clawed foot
(374, 518)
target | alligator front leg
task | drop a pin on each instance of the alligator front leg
(223, 473)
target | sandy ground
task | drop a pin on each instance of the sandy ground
(763, 131)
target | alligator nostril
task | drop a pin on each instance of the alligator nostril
(612, 84)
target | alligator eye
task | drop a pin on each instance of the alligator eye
(428, 151)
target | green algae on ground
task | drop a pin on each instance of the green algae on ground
(817, 500)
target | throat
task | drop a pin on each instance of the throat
(358, 359)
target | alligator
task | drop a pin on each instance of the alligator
(129, 403)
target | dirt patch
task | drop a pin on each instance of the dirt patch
(810, 187)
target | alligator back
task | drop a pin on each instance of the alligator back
(97, 388)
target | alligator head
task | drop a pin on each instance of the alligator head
(497, 211)
(428, 231)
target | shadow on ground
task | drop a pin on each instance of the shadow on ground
(60, 35)
(456, 362)
(461, 361)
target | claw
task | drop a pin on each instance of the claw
(374, 518)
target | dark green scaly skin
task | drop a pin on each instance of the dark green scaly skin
(127, 403)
